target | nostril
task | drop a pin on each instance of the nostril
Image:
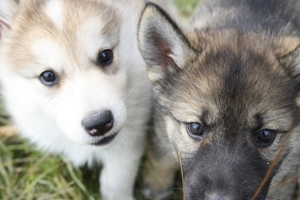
(108, 123)
(99, 123)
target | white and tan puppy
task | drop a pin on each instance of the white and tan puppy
(76, 85)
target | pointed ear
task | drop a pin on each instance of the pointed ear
(8, 8)
(161, 42)
(289, 56)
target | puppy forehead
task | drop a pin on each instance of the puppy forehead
(49, 53)
(54, 10)
(88, 27)
(95, 24)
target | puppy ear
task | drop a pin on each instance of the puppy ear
(8, 8)
(161, 42)
(289, 56)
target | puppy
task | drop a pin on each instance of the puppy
(75, 83)
(225, 91)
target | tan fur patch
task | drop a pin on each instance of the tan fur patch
(33, 25)
(159, 173)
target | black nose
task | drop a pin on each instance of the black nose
(99, 123)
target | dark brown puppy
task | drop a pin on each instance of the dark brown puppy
(225, 93)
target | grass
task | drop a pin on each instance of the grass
(28, 174)
(3, 114)
(186, 7)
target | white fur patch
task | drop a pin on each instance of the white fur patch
(50, 54)
(54, 10)
(155, 73)
(91, 39)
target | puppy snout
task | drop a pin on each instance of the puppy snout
(98, 124)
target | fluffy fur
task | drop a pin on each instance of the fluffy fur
(66, 37)
(225, 92)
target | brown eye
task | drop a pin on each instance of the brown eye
(265, 138)
(195, 131)
(48, 78)
(105, 57)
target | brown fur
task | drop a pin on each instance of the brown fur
(28, 21)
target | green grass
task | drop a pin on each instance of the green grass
(187, 7)
(28, 174)
(3, 114)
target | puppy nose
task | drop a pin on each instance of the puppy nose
(99, 123)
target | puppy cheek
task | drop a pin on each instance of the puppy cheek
(178, 136)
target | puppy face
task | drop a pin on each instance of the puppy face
(61, 64)
(227, 99)
(228, 115)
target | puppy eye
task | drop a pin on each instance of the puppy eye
(105, 57)
(195, 131)
(265, 138)
(48, 78)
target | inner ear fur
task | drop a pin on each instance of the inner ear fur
(162, 44)
(8, 9)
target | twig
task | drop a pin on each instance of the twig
(182, 173)
(285, 182)
(277, 157)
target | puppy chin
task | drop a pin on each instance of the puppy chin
(86, 140)
(104, 140)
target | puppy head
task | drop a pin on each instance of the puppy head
(227, 99)
(61, 67)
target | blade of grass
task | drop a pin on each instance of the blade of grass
(78, 182)
(277, 157)
(182, 173)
